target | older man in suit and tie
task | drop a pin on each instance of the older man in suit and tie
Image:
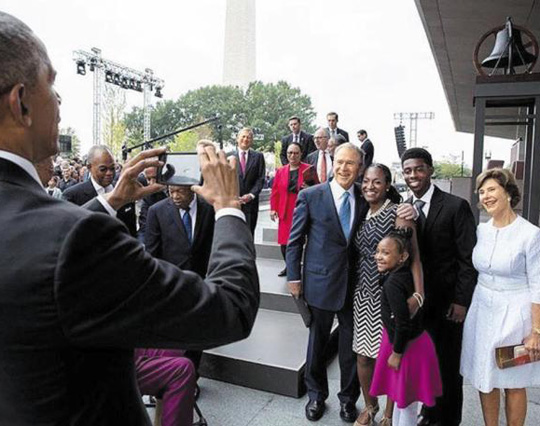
(328, 215)
(321, 159)
(102, 173)
(305, 140)
(251, 175)
(78, 293)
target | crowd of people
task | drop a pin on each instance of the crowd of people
(101, 310)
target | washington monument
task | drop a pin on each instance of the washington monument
(239, 57)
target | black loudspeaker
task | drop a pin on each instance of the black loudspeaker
(400, 139)
(64, 144)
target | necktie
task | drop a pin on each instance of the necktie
(243, 162)
(187, 224)
(295, 138)
(345, 214)
(323, 166)
(421, 221)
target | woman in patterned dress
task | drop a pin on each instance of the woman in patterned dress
(381, 218)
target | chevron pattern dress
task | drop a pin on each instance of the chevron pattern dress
(367, 294)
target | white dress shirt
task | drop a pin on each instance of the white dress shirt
(101, 190)
(337, 193)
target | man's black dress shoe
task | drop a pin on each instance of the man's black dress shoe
(315, 410)
(348, 412)
(282, 273)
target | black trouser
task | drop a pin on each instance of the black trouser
(319, 335)
(447, 336)
(251, 210)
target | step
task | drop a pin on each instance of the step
(268, 250)
(271, 359)
(274, 291)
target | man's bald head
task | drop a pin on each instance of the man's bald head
(101, 165)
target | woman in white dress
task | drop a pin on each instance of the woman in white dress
(505, 309)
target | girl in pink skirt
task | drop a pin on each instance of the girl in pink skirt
(407, 369)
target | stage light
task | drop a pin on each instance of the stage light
(109, 77)
(93, 63)
(81, 67)
(139, 87)
(124, 83)
(116, 79)
(158, 92)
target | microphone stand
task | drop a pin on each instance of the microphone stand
(148, 144)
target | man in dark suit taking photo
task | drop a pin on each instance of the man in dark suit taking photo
(78, 292)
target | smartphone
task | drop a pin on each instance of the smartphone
(179, 168)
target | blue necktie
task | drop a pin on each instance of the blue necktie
(187, 223)
(345, 214)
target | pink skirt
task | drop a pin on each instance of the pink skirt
(418, 377)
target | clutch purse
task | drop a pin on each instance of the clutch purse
(512, 356)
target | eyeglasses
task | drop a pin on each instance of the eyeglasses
(320, 137)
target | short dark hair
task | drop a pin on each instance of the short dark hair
(503, 177)
(22, 55)
(96, 150)
(294, 117)
(417, 153)
(335, 114)
(361, 132)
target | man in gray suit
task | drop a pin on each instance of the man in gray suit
(79, 293)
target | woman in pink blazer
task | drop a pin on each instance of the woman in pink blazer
(287, 183)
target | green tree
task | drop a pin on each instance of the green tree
(264, 107)
(448, 169)
(268, 108)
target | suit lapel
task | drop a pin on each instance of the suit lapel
(175, 214)
(89, 190)
(359, 212)
(250, 161)
(329, 200)
(198, 222)
(434, 209)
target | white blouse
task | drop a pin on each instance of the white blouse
(508, 258)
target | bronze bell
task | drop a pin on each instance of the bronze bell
(509, 51)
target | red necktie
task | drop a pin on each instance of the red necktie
(323, 166)
(243, 162)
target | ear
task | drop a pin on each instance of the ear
(18, 101)
(403, 257)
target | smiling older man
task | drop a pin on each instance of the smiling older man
(328, 215)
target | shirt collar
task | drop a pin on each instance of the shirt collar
(100, 189)
(338, 191)
(23, 163)
(427, 196)
(192, 205)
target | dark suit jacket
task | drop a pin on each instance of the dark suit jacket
(78, 294)
(251, 182)
(166, 237)
(83, 192)
(313, 158)
(306, 142)
(369, 150)
(146, 203)
(342, 133)
(325, 276)
(446, 244)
